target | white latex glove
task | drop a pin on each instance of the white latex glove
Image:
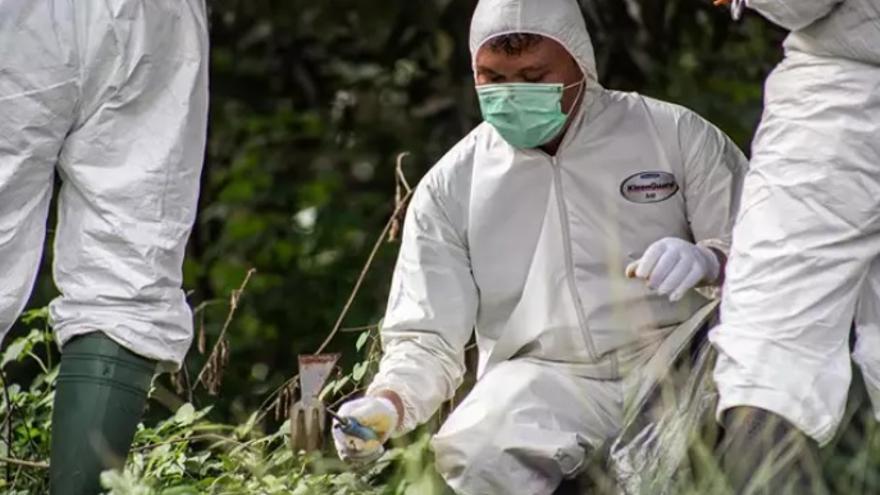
(673, 266)
(376, 413)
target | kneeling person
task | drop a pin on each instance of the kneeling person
(526, 231)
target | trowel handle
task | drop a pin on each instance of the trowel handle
(355, 429)
(352, 427)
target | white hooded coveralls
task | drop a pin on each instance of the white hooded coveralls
(805, 262)
(531, 250)
(113, 95)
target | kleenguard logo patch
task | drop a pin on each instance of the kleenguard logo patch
(649, 187)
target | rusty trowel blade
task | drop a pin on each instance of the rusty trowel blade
(314, 369)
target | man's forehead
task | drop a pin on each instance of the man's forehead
(489, 66)
(539, 57)
(540, 48)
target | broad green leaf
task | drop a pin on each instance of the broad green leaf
(35, 314)
(185, 415)
(14, 352)
(359, 371)
(362, 340)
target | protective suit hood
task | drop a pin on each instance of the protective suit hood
(559, 20)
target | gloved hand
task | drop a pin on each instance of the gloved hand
(376, 413)
(673, 266)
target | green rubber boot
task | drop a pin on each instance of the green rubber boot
(99, 400)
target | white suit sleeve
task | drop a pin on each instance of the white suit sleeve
(431, 309)
(714, 172)
(793, 15)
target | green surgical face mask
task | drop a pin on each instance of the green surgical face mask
(527, 115)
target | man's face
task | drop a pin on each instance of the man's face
(543, 62)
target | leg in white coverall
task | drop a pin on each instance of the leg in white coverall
(805, 250)
(535, 423)
(113, 96)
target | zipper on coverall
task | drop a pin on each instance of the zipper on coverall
(569, 260)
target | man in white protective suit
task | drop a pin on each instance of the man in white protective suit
(113, 96)
(805, 263)
(526, 230)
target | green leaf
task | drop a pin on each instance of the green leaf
(341, 383)
(185, 415)
(15, 352)
(243, 430)
(362, 340)
(34, 315)
(327, 390)
(204, 412)
(359, 371)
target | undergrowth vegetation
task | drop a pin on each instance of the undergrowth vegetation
(188, 453)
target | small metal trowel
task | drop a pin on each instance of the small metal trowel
(308, 415)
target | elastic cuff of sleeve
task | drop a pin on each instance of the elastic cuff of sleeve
(717, 244)
(715, 248)
(713, 290)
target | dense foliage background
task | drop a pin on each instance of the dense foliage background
(312, 102)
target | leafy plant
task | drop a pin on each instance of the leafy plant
(188, 453)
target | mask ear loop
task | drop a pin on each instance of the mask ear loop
(581, 86)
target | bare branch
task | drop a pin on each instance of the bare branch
(363, 275)
(358, 329)
(220, 346)
(19, 462)
(401, 199)
(401, 176)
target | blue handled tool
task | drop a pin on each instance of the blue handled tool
(353, 427)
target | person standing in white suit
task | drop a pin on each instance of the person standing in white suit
(805, 262)
(524, 231)
(113, 96)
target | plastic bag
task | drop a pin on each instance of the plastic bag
(672, 412)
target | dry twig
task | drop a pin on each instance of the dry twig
(366, 269)
(403, 193)
(211, 374)
(19, 462)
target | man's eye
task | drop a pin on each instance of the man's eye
(534, 79)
